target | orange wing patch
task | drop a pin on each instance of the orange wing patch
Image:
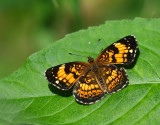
(86, 91)
(123, 50)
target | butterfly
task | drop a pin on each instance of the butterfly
(97, 77)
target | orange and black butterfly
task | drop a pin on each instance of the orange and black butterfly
(97, 77)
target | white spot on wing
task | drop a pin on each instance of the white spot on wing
(131, 50)
(57, 82)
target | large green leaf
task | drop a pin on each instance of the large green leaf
(26, 97)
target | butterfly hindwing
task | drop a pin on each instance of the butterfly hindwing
(65, 75)
(87, 90)
(115, 78)
(121, 52)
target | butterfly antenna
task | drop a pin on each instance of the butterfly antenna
(77, 55)
(95, 47)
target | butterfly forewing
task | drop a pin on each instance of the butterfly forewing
(87, 90)
(121, 52)
(65, 75)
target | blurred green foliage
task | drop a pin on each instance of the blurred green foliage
(27, 26)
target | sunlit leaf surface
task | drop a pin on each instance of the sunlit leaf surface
(26, 97)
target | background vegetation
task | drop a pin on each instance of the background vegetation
(27, 26)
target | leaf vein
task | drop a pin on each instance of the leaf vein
(131, 107)
(147, 113)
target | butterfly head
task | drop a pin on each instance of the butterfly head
(90, 59)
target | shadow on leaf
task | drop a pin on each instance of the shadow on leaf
(63, 93)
